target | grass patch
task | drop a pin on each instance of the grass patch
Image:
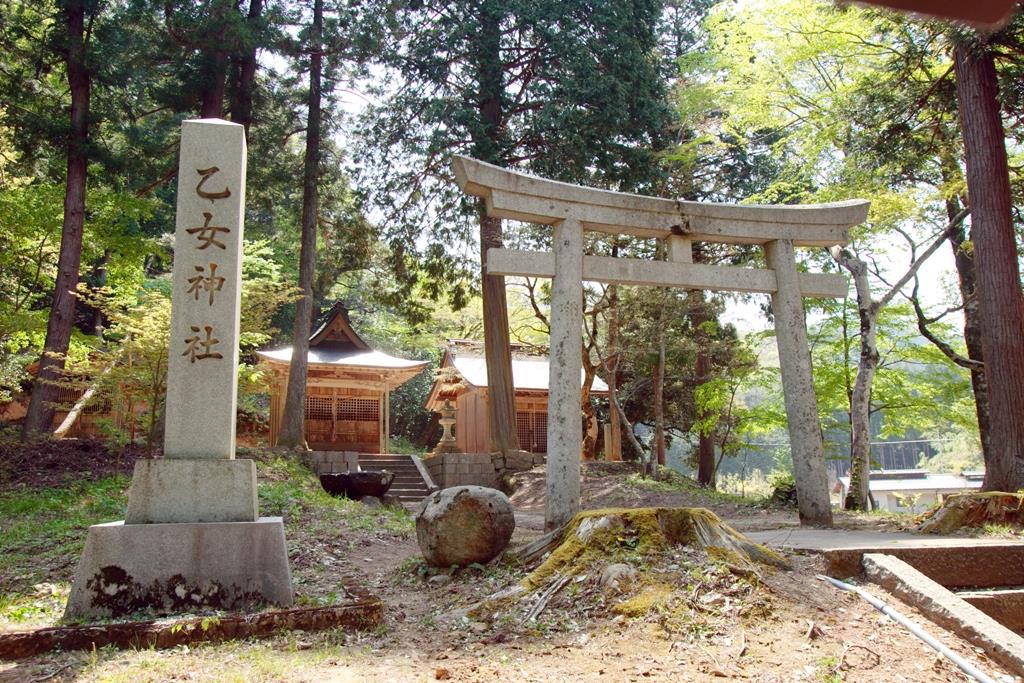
(288, 489)
(1000, 530)
(43, 532)
(289, 656)
(670, 481)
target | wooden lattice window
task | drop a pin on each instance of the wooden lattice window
(359, 409)
(65, 396)
(532, 428)
(318, 407)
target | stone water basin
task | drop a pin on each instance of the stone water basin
(357, 485)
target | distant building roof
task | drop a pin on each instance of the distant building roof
(336, 344)
(529, 369)
(527, 373)
(917, 480)
(364, 359)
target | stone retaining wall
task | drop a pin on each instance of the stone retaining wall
(328, 462)
(479, 469)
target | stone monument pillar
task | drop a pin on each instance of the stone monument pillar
(192, 536)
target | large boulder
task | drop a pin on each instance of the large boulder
(464, 524)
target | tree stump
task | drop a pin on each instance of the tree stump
(972, 510)
(598, 537)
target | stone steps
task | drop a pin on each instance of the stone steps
(408, 486)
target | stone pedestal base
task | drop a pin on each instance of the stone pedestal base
(180, 568)
(177, 490)
(443, 447)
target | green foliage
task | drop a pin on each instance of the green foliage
(43, 526)
(30, 226)
(916, 389)
(569, 90)
(290, 490)
(130, 371)
(958, 451)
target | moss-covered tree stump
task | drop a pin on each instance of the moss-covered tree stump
(971, 510)
(597, 538)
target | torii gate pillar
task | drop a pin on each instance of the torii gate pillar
(805, 440)
(565, 429)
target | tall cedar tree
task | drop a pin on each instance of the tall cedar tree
(73, 43)
(214, 43)
(563, 88)
(293, 422)
(995, 252)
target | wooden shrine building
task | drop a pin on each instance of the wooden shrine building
(530, 379)
(348, 388)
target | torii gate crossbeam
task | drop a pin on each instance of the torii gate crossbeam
(572, 209)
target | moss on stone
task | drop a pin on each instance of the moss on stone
(596, 535)
(650, 597)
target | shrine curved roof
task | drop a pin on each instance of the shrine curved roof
(347, 357)
(529, 374)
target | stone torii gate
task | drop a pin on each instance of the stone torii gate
(571, 209)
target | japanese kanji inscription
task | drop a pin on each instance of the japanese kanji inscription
(202, 377)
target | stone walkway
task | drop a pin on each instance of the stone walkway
(827, 539)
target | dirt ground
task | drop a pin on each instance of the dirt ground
(781, 626)
(47, 463)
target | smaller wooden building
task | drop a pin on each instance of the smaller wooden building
(348, 388)
(530, 379)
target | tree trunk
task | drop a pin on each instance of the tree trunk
(211, 94)
(658, 455)
(967, 277)
(39, 418)
(619, 414)
(501, 402)
(94, 326)
(589, 418)
(241, 101)
(702, 372)
(213, 71)
(293, 420)
(999, 295)
(859, 495)
(613, 450)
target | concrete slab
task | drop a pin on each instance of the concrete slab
(184, 491)
(180, 568)
(946, 609)
(827, 539)
(1005, 606)
(952, 561)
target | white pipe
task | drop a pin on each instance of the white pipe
(960, 662)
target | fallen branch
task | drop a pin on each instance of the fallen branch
(544, 598)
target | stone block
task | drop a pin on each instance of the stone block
(946, 561)
(202, 368)
(180, 491)
(946, 609)
(1005, 606)
(181, 568)
(519, 460)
